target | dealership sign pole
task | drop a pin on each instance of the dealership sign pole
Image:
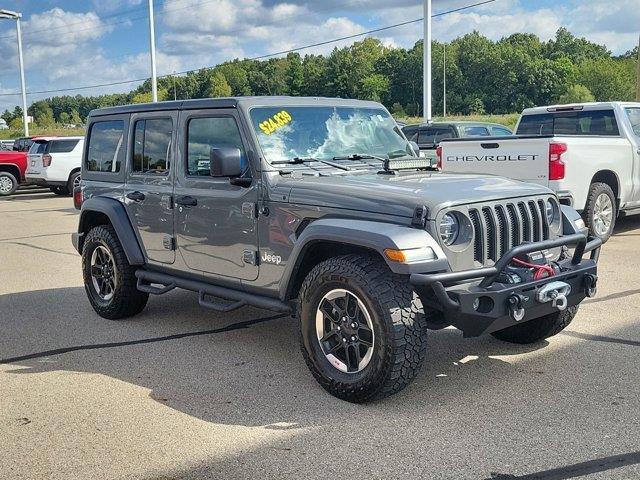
(16, 16)
(152, 44)
(426, 75)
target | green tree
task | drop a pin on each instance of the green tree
(7, 116)
(576, 94)
(75, 117)
(42, 114)
(374, 87)
(64, 117)
(216, 85)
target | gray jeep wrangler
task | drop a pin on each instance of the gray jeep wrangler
(321, 208)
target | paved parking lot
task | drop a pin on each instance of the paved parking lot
(183, 393)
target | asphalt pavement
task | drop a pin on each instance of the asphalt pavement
(182, 392)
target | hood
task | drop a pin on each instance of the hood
(400, 194)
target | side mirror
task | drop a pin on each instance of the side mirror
(415, 148)
(225, 162)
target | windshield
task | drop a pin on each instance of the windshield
(324, 133)
(634, 117)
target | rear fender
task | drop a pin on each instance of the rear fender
(117, 215)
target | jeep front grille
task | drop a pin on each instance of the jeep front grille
(498, 228)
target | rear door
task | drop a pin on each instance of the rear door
(149, 186)
(215, 220)
(37, 150)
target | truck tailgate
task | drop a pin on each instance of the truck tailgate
(520, 158)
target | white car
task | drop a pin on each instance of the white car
(55, 162)
(589, 154)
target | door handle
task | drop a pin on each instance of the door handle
(187, 201)
(136, 196)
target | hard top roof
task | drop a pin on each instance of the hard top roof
(233, 102)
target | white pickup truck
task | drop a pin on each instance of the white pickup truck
(589, 154)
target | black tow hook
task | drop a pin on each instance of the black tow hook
(515, 305)
(590, 285)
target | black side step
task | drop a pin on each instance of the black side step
(238, 298)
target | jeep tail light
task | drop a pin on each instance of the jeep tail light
(77, 197)
(439, 155)
(46, 160)
(556, 165)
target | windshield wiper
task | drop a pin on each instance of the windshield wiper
(360, 156)
(299, 160)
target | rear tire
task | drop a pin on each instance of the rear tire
(536, 330)
(74, 181)
(389, 354)
(600, 211)
(8, 184)
(109, 279)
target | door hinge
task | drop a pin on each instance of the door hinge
(168, 242)
(250, 257)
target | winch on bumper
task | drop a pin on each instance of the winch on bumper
(476, 303)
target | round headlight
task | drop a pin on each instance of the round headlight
(449, 228)
(551, 212)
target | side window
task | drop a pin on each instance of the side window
(62, 146)
(634, 117)
(476, 132)
(206, 133)
(500, 132)
(410, 132)
(105, 146)
(152, 146)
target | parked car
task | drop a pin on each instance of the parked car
(54, 162)
(318, 206)
(22, 144)
(429, 136)
(13, 166)
(589, 154)
(6, 145)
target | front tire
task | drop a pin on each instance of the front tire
(109, 279)
(8, 184)
(539, 329)
(600, 211)
(363, 333)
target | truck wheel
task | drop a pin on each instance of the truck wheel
(8, 184)
(600, 211)
(109, 280)
(362, 330)
(73, 182)
(538, 329)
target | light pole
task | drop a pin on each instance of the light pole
(152, 44)
(17, 16)
(426, 76)
(444, 80)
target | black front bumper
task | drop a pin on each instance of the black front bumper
(476, 303)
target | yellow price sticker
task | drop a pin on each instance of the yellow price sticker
(276, 122)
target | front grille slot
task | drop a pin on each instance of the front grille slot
(498, 228)
(478, 248)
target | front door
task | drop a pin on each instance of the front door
(149, 187)
(215, 220)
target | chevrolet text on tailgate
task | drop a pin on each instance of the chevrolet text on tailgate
(588, 154)
(322, 209)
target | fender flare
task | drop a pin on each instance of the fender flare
(569, 217)
(375, 236)
(115, 211)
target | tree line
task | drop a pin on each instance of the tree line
(482, 76)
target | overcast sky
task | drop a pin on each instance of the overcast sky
(85, 42)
